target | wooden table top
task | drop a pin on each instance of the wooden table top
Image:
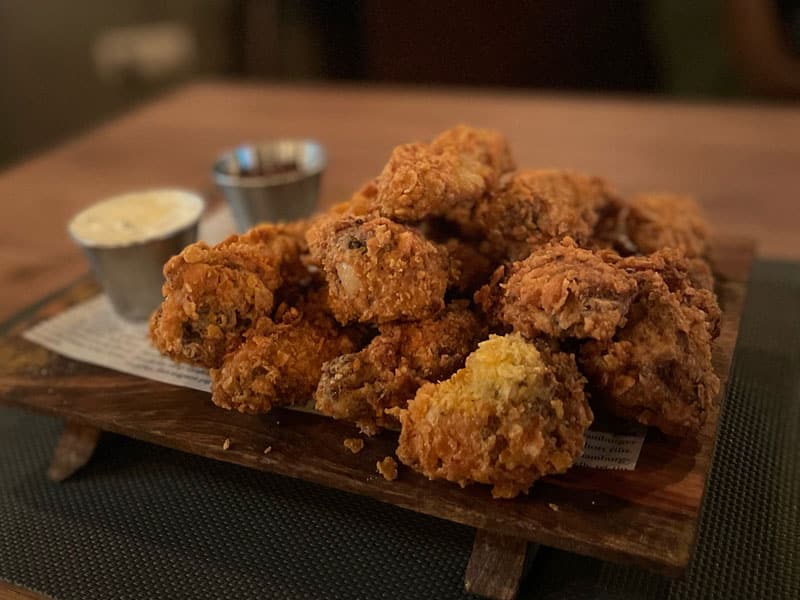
(741, 161)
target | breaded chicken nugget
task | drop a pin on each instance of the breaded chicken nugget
(562, 291)
(213, 294)
(444, 178)
(657, 369)
(379, 271)
(513, 414)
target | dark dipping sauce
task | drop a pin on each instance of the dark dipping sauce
(271, 169)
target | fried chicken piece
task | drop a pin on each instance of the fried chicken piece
(657, 369)
(656, 221)
(537, 206)
(213, 294)
(562, 291)
(444, 178)
(379, 271)
(387, 373)
(280, 364)
(513, 414)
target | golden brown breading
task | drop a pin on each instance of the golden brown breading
(379, 271)
(387, 468)
(691, 279)
(657, 369)
(387, 373)
(656, 221)
(537, 206)
(280, 364)
(488, 146)
(419, 182)
(562, 291)
(212, 295)
(512, 415)
(444, 178)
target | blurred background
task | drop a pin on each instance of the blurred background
(65, 66)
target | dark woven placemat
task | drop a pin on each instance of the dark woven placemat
(146, 522)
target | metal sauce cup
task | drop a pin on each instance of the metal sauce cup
(131, 271)
(272, 181)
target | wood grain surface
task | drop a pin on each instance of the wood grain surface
(495, 566)
(741, 161)
(647, 516)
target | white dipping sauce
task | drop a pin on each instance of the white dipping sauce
(137, 217)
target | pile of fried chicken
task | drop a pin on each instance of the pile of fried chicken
(476, 307)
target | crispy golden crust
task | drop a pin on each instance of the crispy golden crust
(212, 295)
(355, 445)
(690, 279)
(537, 206)
(488, 146)
(656, 221)
(444, 178)
(512, 415)
(657, 368)
(387, 373)
(281, 363)
(562, 291)
(387, 468)
(379, 271)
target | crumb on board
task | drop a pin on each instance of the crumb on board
(268, 449)
(388, 468)
(355, 445)
(553, 507)
(226, 444)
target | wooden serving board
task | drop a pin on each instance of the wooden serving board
(646, 517)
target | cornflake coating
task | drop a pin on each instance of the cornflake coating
(488, 146)
(379, 271)
(689, 278)
(513, 414)
(213, 294)
(657, 369)
(387, 468)
(444, 178)
(537, 206)
(387, 373)
(656, 221)
(281, 364)
(562, 291)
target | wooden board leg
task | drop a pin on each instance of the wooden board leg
(496, 566)
(74, 449)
